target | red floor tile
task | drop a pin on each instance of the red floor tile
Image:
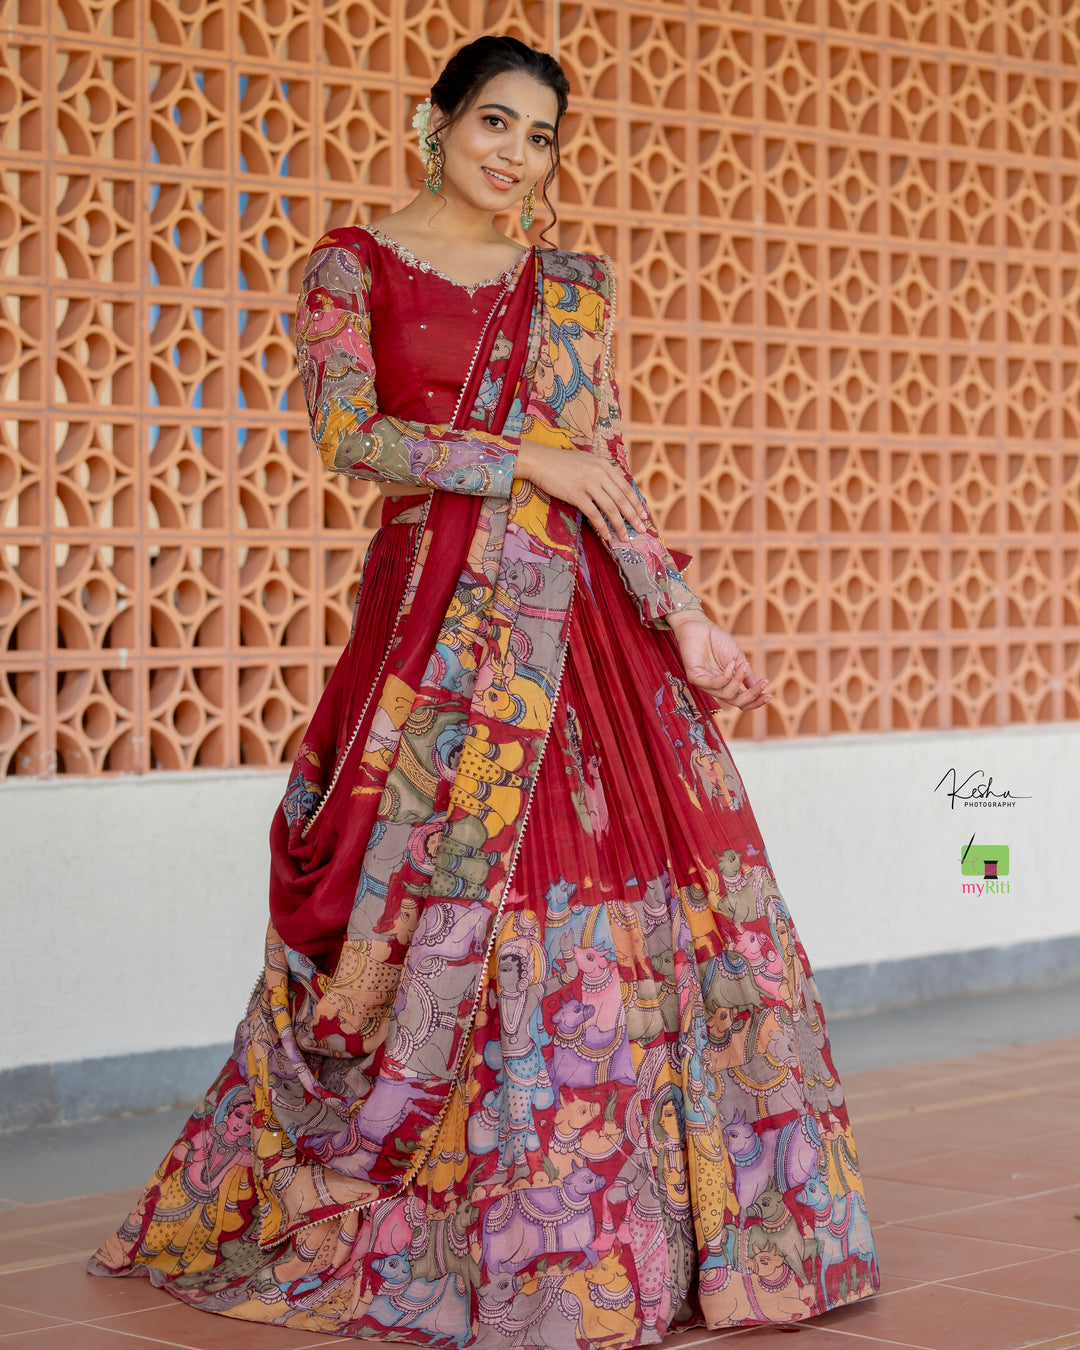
(897, 1201)
(1044, 1221)
(783, 1338)
(16, 1319)
(886, 1143)
(67, 1291)
(80, 1337)
(178, 1324)
(917, 1254)
(18, 1252)
(1067, 1047)
(1060, 1146)
(1054, 1280)
(83, 1237)
(1054, 1057)
(943, 1317)
(698, 1339)
(1007, 1174)
(961, 1119)
(45, 1220)
(47, 1224)
(925, 1091)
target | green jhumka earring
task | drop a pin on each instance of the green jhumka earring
(528, 206)
(431, 151)
(433, 173)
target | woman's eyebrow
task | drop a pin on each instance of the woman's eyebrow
(511, 113)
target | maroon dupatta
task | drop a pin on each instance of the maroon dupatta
(315, 864)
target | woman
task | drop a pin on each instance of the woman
(527, 1064)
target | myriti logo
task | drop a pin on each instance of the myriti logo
(987, 865)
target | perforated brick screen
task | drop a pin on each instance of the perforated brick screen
(848, 244)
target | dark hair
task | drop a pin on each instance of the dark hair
(514, 956)
(469, 69)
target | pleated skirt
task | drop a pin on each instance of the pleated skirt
(650, 1135)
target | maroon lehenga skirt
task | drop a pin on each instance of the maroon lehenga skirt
(652, 1134)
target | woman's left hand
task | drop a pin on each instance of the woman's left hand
(715, 662)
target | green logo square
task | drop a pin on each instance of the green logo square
(986, 860)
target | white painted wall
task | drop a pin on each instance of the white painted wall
(866, 853)
(134, 909)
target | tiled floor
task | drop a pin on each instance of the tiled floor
(972, 1170)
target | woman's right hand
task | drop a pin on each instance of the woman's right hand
(598, 487)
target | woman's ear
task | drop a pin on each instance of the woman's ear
(436, 118)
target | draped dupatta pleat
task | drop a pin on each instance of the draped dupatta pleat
(401, 821)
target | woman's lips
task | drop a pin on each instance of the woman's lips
(498, 182)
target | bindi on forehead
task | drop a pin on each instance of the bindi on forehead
(513, 113)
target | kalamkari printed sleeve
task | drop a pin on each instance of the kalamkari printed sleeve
(648, 569)
(337, 372)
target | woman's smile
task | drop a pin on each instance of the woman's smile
(504, 182)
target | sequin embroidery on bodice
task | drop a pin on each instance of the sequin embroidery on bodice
(423, 332)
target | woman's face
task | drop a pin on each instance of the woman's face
(509, 972)
(509, 131)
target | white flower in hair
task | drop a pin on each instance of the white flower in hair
(420, 121)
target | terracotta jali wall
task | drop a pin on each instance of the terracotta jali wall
(848, 243)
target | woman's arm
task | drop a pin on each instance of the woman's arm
(337, 371)
(648, 569)
(713, 660)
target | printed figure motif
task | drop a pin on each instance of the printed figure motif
(536, 1058)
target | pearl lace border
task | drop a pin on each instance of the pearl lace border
(406, 255)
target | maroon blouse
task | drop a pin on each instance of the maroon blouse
(424, 330)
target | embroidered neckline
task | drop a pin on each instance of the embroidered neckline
(408, 256)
